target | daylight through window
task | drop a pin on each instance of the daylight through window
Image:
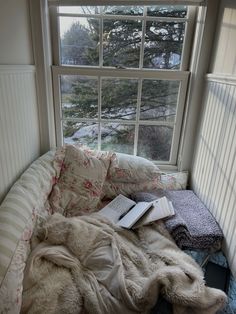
(120, 77)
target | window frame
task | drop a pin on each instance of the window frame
(181, 75)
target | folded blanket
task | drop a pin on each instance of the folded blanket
(89, 264)
(193, 226)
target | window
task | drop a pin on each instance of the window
(120, 77)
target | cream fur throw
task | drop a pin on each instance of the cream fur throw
(86, 264)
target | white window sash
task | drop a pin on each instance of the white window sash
(139, 73)
(189, 20)
(181, 76)
(124, 2)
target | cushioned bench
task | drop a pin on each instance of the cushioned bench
(28, 199)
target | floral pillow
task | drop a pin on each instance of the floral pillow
(79, 187)
(170, 181)
(174, 181)
(132, 169)
(112, 189)
(58, 161)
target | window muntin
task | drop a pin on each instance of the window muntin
(122, 113)
(151, 37)
(146, 111)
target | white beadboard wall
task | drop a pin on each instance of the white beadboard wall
(19, 125)
(214, 169)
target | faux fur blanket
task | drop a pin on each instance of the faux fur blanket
(86, 264)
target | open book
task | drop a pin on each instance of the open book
(128, 214)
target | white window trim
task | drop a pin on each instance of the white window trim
(99, 71)
(189, 19)
(43, 61)
(124, 2)
(181, 76)
(202, 47)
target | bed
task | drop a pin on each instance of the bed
(71, 182)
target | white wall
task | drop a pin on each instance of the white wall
(224, 57)
(202, 48)
(214, 165)
(15, 33)
(19, 123)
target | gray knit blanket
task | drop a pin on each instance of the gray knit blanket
(192, 226)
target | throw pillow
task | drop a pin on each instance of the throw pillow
(132, 169)
(79, 187)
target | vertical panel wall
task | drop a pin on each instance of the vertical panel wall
(214, 172)
(214, 165)
(19, 126)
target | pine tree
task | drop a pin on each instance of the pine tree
(121, 48)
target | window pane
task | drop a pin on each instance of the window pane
(163, 44)
(154, 142)
(79, 40)
(121, 43)
(159, 100)
(80, 9)
(79, 96)
(81, 132)
(123, 10)
(118, 137)
(167, 11)
(119, 98)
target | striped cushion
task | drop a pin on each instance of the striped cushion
(26, 196)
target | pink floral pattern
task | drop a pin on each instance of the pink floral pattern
(34, 186)
(171, 181)
(81, 178)
(79, 187)
(58, 162)
(112, 189)
(174, 181)
(12, 286)
(88, 184)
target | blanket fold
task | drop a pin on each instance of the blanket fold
(88, 264)
(192, 226)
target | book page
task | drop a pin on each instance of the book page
(117, 208)
(134, 214)
(161, 208)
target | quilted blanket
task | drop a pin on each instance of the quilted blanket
(87, 264)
